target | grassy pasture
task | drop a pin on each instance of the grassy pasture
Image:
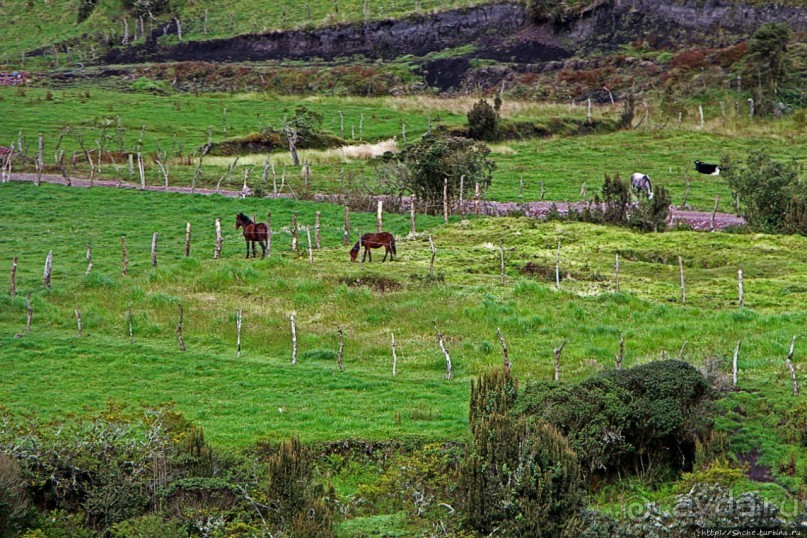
(53, 372)
(562, 163)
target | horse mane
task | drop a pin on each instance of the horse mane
(356, 247)
(245, 218)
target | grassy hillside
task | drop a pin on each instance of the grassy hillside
(53, 371)
(179, 123)
(32, 25)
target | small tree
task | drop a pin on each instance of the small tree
(433, 160)
(766, 63)
(765, 189)
(651, 215)
(301, 127)
(483, 121)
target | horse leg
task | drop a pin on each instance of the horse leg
(370, 254)
(386, 250)
(247, 242)
(263, 249)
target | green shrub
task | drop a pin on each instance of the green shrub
(13, 496)
(483, 122)
(150, 526)
(629, 420)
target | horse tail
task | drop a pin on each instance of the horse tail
(649, 188)
(264, 231)
(392, 246)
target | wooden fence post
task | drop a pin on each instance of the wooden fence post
(316, 229)
(217, 252)
(621, 355)
(616, 265)
(412, 229)
(361, 257)
(78, 320)
(293, 341)
(125, 255)
(790, 367)
(341, 349)
(89, 259)
(154, 250)
(40, 161)
(462, 203)
(30, 313)
(347, 226)
(434, 253)
(445, 200)
(714, 212)
(681, 351)
(310, 248)
(501, 256)
(13, 281)
(683, 283)
(294, 233)
(268, 233)
(394, 357)
(179, 329)
(379, 218)
(187, 239)
(238, 331)
(48, 269)
(734, 364)
(557, 269)
(506, 359)
(740, 287)
(477, 194)
(558, 351)
(445, 352)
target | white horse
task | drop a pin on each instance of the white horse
(641, 183)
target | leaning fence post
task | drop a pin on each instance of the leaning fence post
(78, 320)
(187, 239)
(445, 352)
(558, 351)
(341, 349)
(238, 330)
(217, 252)
(154, 250)
(89, 259)
(714, 212)
(13, 285)
(179, 329)
(394, 357)
(506, 359)
(125, 255)
(434, 253)
(734, 364)
(316, 229)
(48, 269)
(30, 313)
(683, 283)
(293, 341)
(790, 367)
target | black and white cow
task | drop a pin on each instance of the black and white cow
(708, 169)
(641, 183)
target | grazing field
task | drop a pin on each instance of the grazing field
(261, 395)
(178, 124)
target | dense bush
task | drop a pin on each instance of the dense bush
(483, 122)
(13, 496)
(520, 475)
(770, 194)
(627, 421)
(615, 207)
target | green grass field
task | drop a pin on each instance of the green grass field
(179, 123)
(54, 372)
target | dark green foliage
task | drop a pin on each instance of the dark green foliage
(494, 393)
(651, 215)
(769, 192)
(559, 11)
(146, 7)
(520, 475)
(483, 121)
(434, 159)
(186, 496)
(306, 123)
(150, 526)
(85, 9)
(292, 494)
(13, 497)
(627, 420)
(766, 63)
(616, 197)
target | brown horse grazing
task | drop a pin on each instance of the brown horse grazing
(253, 232)
(368, 241)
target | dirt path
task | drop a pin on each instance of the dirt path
(698, 220)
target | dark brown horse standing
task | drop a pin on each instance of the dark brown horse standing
(368, 241)
(253, 232)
